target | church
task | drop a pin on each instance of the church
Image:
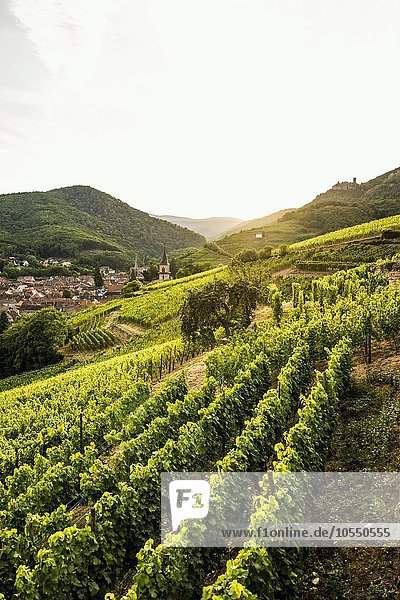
(164, 272)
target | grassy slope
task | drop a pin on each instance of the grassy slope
(276, 234)
(204, 257)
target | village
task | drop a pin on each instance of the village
(27, 294)
(69, 294)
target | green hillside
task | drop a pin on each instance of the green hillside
(274, 235)
(330, 211)
(388, 228)
(83, 223)
(257, 223)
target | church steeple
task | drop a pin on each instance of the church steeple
(136, 267)
(164, 272)
(164, 260)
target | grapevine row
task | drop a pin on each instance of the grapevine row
(95, 553)
(43, 486)
(350, 233)
(340, 297)
(165, 572)
(93, 339)
(259, 572)
(44, 417)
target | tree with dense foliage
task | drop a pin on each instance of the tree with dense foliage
(249, 255)
(151, 273)
(265, 252)
(32, 260)
(218, 304)
(32, 342)
(67, 293)
(98, 278)
(281, 250)
(133, 274)
(191, 269)
(40, 272)
(4, 322)
(130, 288)
(245, 256)
(173, 265)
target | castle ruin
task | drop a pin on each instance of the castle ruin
(346, 185)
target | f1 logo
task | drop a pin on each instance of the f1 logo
(189, 499)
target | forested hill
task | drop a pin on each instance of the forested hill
(329, 211)
(336, 209)
(81, 221)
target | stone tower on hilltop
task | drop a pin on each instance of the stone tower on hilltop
(346, 185)
(164, 272)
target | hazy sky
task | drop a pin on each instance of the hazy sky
(198, 107)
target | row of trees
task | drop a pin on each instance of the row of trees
(249, 255)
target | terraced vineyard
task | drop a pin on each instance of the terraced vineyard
(221, 421)
(158, 303)
(82, 452)
(390, 226)
(93, 339)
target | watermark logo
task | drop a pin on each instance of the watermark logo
(275, 509)
(189, 499)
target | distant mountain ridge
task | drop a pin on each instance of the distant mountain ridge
(343, 205)
(87, 225)
(211, 227)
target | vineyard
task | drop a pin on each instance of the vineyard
(389, 226)
(121, 326)
(92, 339)
(156, 311)
(199, 382)
(158, 303)
(43, 415)
(165, 300)
(81, 452)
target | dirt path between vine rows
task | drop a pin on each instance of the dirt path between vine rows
(195, 370)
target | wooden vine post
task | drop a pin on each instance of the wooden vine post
(93, 519)
(81, 432)
(368, 343)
